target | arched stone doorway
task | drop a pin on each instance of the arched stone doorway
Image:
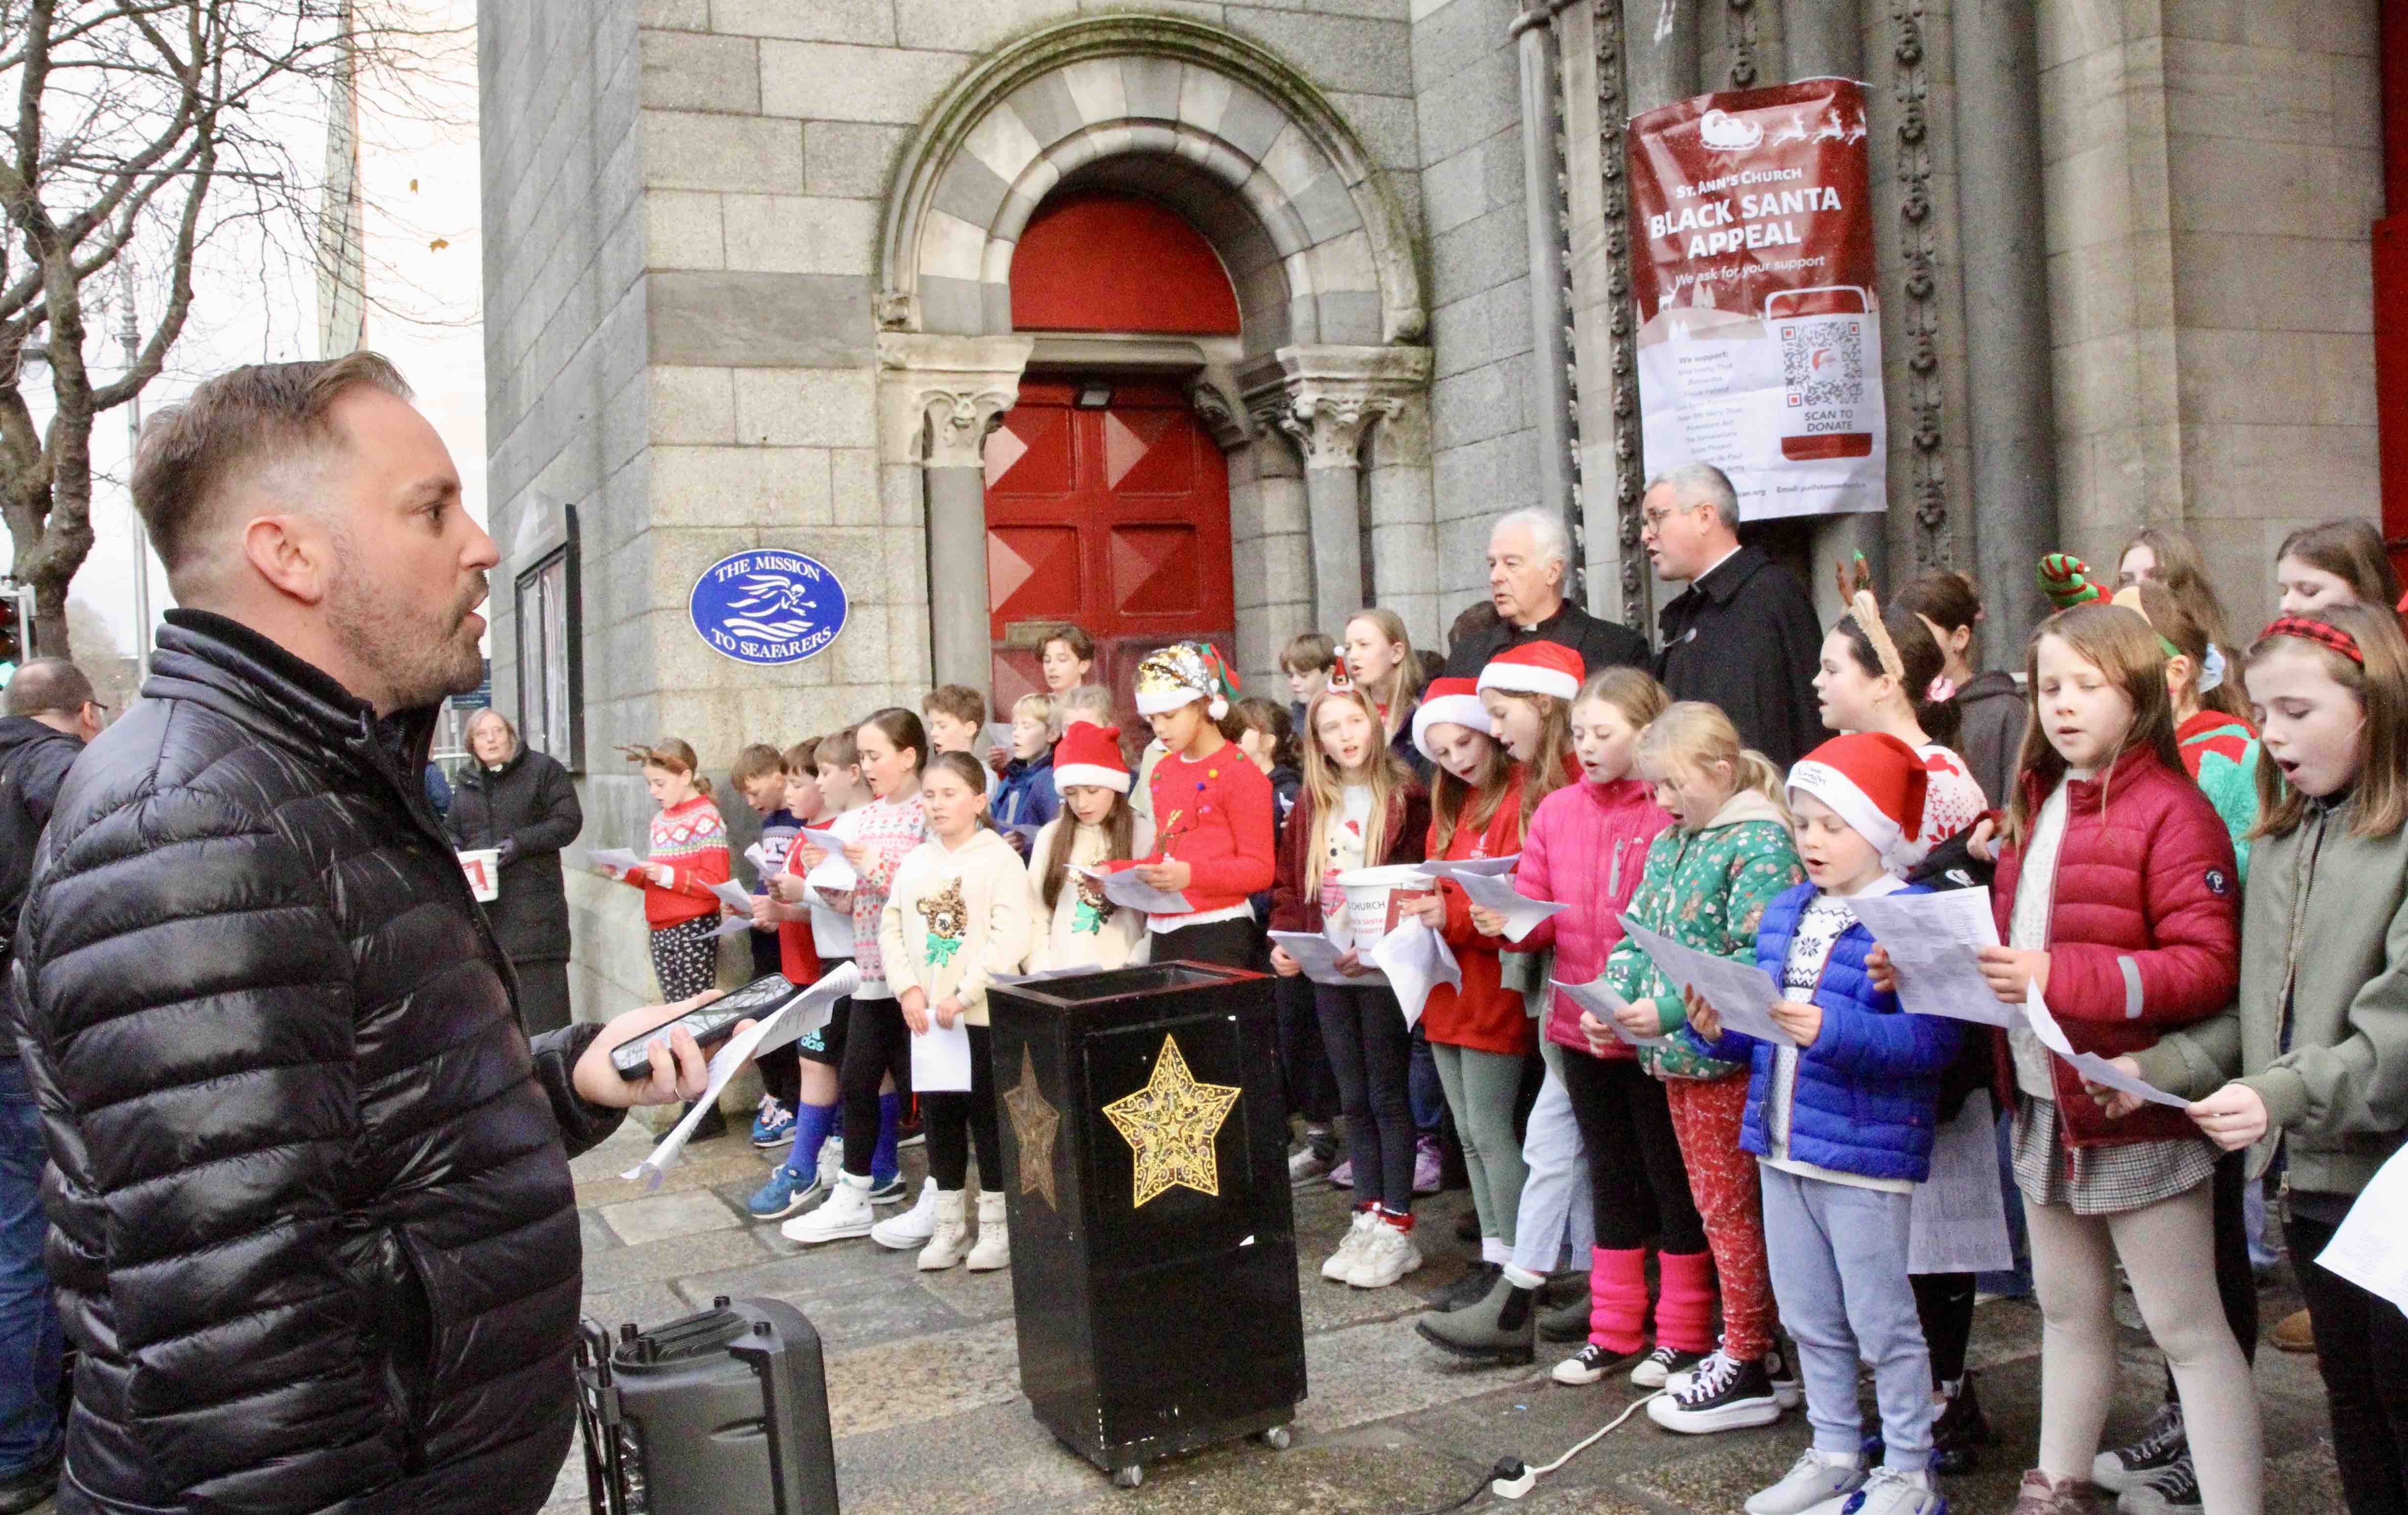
(1319, 399)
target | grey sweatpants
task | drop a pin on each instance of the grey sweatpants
(1554, 1227)
(1839, 1257)
(1481, 1088)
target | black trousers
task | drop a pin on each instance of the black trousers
(1233, 943)
(2361, 1340)
(1638, 1184)
(876, 1043)
(543, 996)
(1945, 1304)
(954, 1120)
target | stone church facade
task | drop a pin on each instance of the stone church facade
(750, 280)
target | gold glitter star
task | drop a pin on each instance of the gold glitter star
(1170, 1125)
(1033, 1124)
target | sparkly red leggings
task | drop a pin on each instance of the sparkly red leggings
(1723, 1182)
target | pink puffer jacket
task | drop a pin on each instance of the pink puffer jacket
(1586, 847)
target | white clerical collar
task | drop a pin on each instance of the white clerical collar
(1717, 563)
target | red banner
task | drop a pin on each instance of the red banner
(1759, 331)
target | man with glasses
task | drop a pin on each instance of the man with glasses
(1743, 635)
(51, 715)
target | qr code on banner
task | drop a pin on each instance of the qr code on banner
(1822, 361)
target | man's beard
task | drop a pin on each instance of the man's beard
(420, 652)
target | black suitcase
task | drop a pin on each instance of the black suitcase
(720, 1413)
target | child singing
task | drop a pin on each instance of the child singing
(1210, 808)
(1075, 925)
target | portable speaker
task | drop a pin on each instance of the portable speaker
(720, 1413)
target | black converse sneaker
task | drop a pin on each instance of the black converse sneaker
(1654, 1369)
(1588, 1365)
(1723, 1395)
(2161, 1443)
(2172, 1490)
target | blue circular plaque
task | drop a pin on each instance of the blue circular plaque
(767, 606)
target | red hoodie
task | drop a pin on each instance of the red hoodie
(1484, 1014)
(1587, 847)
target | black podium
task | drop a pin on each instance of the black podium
(1152, 1237)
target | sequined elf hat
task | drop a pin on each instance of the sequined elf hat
(1183, 673)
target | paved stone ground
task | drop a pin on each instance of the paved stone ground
(924, 1382)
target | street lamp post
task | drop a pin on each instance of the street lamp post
(130, 334)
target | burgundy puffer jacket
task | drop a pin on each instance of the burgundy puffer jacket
(2143, 931)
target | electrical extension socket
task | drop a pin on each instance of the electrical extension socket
(1511, 1478)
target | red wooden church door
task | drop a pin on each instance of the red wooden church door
(1116, 519)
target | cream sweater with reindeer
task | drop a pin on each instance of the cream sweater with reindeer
(955, 918)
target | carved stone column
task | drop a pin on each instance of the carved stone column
(1324, 400)
(939, 397)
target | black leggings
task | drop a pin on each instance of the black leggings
(2361, 1339)
(954, 1120)
(1945, 1303)
(1371, 1053)
(876, 1043)
(1638, 1184)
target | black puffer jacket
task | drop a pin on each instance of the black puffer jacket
(33, 763)
(313, 1227)
(529, 807)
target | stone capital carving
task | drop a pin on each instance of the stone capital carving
(1324, 398)
(940, 397)
(1225, 418)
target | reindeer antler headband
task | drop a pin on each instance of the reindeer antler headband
(1856, 591)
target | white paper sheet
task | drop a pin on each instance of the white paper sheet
(2092, 1066)
(1522, 916)
(616, 858)
(1957, 1220)
(1598, 997)
(1318, 956)
(1741, 993)
(1415, 959)
(835, 872)
(1486, 868)
(800, 1016)
(1931, 941)
(735, 926)
(940, 1057)
(2371, 1247)
(735, 896)
(1122, 886)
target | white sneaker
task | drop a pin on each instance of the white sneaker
(1387, 1256)
(952, 1238)
(844, 1213)
(1815, 1480)
(1340, 1265)
(993, 1249)
(1889, 1491)
(913, 1227)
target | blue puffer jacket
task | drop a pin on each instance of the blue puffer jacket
(1026, 796)
(1866, 1089)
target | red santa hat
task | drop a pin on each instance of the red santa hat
(1449, 701)
(1089, 754)
(1876, 784)
(1535, 668)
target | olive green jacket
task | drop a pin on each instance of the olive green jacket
(2325, 930)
